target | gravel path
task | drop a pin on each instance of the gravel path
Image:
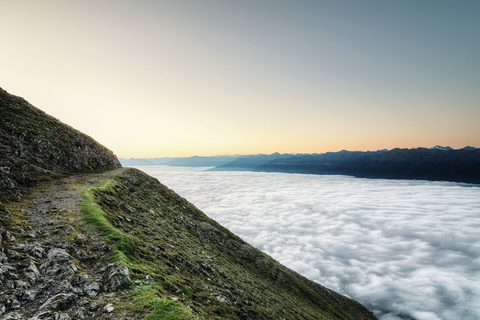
(55, 264)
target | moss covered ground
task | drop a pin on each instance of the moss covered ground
(200, 270)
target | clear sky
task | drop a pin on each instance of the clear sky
(151, 78)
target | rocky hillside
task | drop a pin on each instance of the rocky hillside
(117, 244)
(35, 147)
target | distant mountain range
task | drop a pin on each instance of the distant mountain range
(195, 161)
(437, 163)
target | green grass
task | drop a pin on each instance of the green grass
(147, 300)
(210, 272)
(94, 214)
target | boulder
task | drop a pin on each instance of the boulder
(116, 277)
(91, 288)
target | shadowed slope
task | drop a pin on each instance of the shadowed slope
(35, 147)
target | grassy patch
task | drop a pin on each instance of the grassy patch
(147, 301)
(94, 214)
(201, 270)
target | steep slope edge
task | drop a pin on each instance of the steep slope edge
(209, 272)
(35, 147)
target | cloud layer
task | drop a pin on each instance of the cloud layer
(402, 248)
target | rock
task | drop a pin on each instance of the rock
(81, 255)
(31, 272)
(35, 250)
(61, 301)
(21, 285)
(81, 278)
(109, 308)
(116, 277)
(47, 315)
(68, 229)
(28, 295)
(2, 309)
(12, 276)
(80, 313)
(59, 264)
(149, 278)
(62, 316)
(77, 291)
(82, 237)
(13, 253)
(52, 287)
(93, 306)
(58, 254)
(15, 305)
(91, 288)
(12, 316)
(3, 257)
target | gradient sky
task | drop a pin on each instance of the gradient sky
(182, 78)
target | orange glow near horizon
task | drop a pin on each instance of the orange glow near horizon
(179, 78)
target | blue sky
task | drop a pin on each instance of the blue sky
(182, 78)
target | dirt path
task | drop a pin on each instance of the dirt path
(54, 263)
(55, 212)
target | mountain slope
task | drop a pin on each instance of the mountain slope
(438, 163)
(117, 244)
(36, 147)
(197, 261)
(249, 162)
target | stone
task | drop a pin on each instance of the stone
(12, 316)
(21, 285)
(47, 315)
(58, 254)
(35, 250)
(61, 301)
(68, 229)
(81, 255)
(3, 257)
(62, 316)
(31, 272)
(77, 291)
(80, 313)
(91, 288)
(12, 276)
(16, 304)
(13, 253)
(116, 277)
(81, 278)
(82, 237)
(109, 308)
(149, 278)
(28, 295)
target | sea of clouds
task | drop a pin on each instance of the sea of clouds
(402, 248)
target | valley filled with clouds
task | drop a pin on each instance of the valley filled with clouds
(402, 248)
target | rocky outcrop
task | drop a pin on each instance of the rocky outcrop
(36, 147)
(52, 286)
(46, 275)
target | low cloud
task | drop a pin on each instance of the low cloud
(402, 248)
